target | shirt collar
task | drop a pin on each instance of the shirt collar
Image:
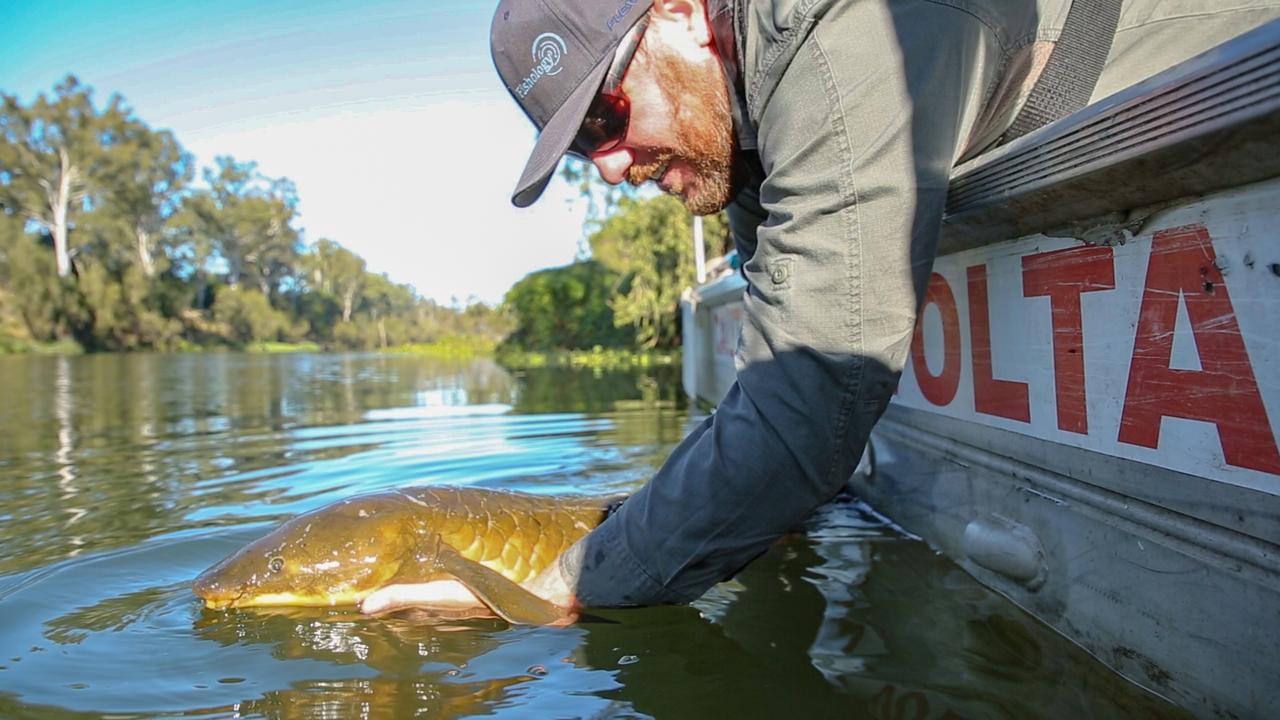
(723, 16)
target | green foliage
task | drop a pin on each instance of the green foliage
(105, 243)
(648, 244)
(452, 347)
(52, 155)
(268, 346)
(249, 315)
(34, 291)
(244, 219)
(597, 358)
(565, 307)
(112, 311)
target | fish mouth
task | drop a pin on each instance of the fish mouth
(217, 600)
(215, 594)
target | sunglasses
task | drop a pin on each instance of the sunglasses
(607, 120)
(605, 125)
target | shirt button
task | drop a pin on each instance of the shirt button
(779, 274)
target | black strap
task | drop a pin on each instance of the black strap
(1074, 64)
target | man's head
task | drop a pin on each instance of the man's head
(640, 100)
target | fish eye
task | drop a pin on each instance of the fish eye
(275, 564)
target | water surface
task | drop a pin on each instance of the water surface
(123, 477)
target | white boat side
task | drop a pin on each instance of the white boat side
(1087, 422)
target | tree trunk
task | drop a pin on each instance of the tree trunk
(235, 266)
(61, 203)
(382, 333)
(201, 286)
(144, 253)
(348, 300)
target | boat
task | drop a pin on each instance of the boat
(1087, 421)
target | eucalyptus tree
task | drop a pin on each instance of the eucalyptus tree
(383, 301)
(50, 153)
(247, 220)
(144, 176)
(332, 269)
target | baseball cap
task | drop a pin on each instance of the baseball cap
(553, 56)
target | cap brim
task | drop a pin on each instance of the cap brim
(557, 136)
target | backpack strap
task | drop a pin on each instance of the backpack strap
(1073, 68)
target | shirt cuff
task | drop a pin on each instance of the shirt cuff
(603, 572)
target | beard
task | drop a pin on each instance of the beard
(707, 142)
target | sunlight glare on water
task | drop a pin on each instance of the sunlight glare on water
(123, 477)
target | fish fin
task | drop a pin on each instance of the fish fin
(504, 596)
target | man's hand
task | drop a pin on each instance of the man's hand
(558, 583)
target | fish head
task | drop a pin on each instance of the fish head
(332, 556)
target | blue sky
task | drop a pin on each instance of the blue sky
(387, 114)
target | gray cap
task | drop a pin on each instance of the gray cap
(553, 56)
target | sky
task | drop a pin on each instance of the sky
(387, 114)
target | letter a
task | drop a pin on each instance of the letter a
(1224, 391)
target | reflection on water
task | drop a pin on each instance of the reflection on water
(122, 477)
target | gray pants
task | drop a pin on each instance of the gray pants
(861, 109)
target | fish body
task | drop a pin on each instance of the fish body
(400, 548)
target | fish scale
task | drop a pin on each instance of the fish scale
(521, 538)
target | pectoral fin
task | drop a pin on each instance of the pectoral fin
(503, 596)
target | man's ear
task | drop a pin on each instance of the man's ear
(690, 14)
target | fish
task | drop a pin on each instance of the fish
(456, 551)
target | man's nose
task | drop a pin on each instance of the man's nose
(613, 164)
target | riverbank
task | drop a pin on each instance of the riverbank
(16, 346)
(452, 348)
(596, 358)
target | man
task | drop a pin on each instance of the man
(829, 129)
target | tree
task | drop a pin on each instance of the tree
(566, 308)
(145, 173)
(332, 269)
(382, 299)
(102, 196)
(248, 314)
(49, 154)
(29, 291)
(247, 219)
(648, 244)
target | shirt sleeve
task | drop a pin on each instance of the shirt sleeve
(856, 141)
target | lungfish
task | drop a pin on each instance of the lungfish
(451, 550)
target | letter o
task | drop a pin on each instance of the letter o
(938, 389)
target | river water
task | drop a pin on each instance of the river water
(123, 477)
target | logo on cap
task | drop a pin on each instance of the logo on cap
(548, 49)
(623, 10)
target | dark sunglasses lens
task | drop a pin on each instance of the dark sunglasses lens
(604, 126)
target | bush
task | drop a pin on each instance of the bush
(566, 307)
(248, 315)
